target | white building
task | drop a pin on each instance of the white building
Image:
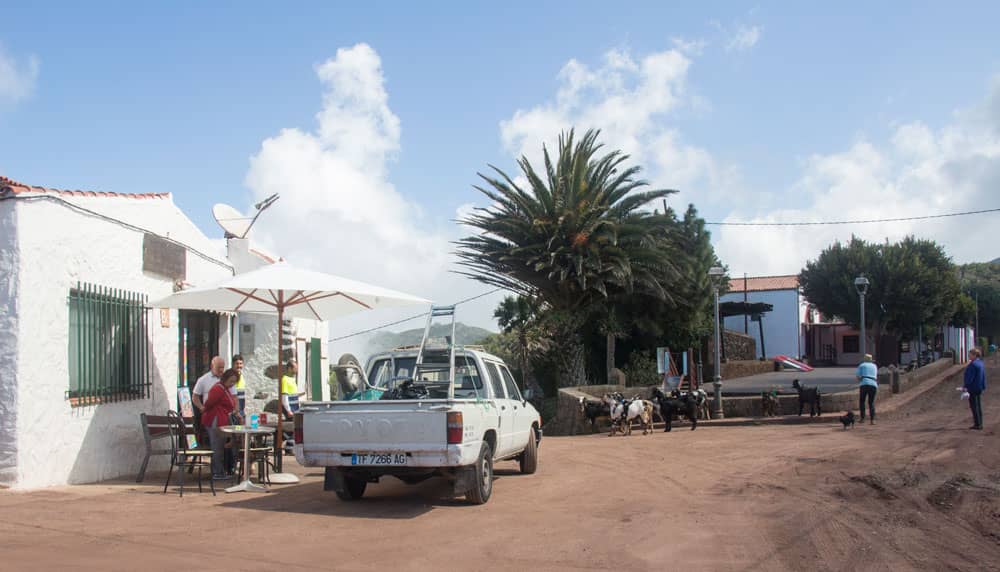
(82, 354)
(782, 326)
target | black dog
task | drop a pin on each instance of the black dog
(676, 404)
(847, 419)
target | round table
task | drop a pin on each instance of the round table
(246, 431)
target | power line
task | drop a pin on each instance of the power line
(864, 221)
(414, 317)
(117, 221)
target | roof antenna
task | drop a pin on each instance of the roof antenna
(234, 223)
(261, 207)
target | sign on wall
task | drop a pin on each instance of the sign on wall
(163, 258)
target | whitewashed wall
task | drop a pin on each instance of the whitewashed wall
(782, 326)
(263, 353)
(9, 280)
(56, 442)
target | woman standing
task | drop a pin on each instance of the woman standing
(219, 404)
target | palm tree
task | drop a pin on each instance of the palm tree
(572, 238)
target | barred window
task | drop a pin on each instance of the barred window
(109, 348)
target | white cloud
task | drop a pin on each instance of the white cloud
(689, 47)
(17, 79)
(338, 211)
(631, 99)
(744, 38)
(917, 171)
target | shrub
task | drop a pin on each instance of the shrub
(640, 369)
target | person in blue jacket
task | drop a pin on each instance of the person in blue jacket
(975, 384)
(867, 374)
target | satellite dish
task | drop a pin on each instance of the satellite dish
(235, 223)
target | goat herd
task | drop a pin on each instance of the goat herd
(622, 412)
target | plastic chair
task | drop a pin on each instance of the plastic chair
(183, 457)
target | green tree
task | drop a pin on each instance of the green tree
(913, 283)
(965, 311)
(572, 236)
(520, 317)
(981, 281)
(685, 318)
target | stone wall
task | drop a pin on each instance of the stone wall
(738, 347)
(743, 368)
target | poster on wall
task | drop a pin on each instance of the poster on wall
(184, 404)
(186, 408)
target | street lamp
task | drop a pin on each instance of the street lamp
(716, 273)
(861, 285)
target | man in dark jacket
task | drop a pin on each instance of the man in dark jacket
(975, 384)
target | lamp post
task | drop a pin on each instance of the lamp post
(861, 285)
(717, 272)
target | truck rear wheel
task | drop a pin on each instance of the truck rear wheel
(529, 458)
(483, 482)
(354, 488)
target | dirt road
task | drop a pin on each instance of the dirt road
(918, 491)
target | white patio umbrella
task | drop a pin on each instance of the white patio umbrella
(289, 292)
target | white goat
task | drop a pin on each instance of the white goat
(621, 419)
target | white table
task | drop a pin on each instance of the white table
(246, 431)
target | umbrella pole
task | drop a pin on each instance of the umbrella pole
(279, 438)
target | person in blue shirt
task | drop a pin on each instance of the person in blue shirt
(867, 375)
(975, 384)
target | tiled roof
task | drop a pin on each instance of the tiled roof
(14, 187)
(764, 283)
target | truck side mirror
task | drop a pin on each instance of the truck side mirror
(528, 394)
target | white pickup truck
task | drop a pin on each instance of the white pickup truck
(422, 413)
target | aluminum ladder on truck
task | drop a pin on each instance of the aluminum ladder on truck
(439, 312)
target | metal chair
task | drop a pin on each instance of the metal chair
(261, 454)
(183, 457)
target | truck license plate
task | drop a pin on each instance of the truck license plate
(379, 459)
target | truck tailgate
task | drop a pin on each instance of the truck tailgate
(375, 426)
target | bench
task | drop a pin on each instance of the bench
(156, 435)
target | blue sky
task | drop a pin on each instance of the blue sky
(766, 111)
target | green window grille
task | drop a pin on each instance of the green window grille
(109, 347)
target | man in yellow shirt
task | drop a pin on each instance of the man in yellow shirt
(290, 389)
(289, 399)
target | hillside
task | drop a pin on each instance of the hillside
(387, 340)
(981, 272)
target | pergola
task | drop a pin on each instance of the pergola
(755, 310)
